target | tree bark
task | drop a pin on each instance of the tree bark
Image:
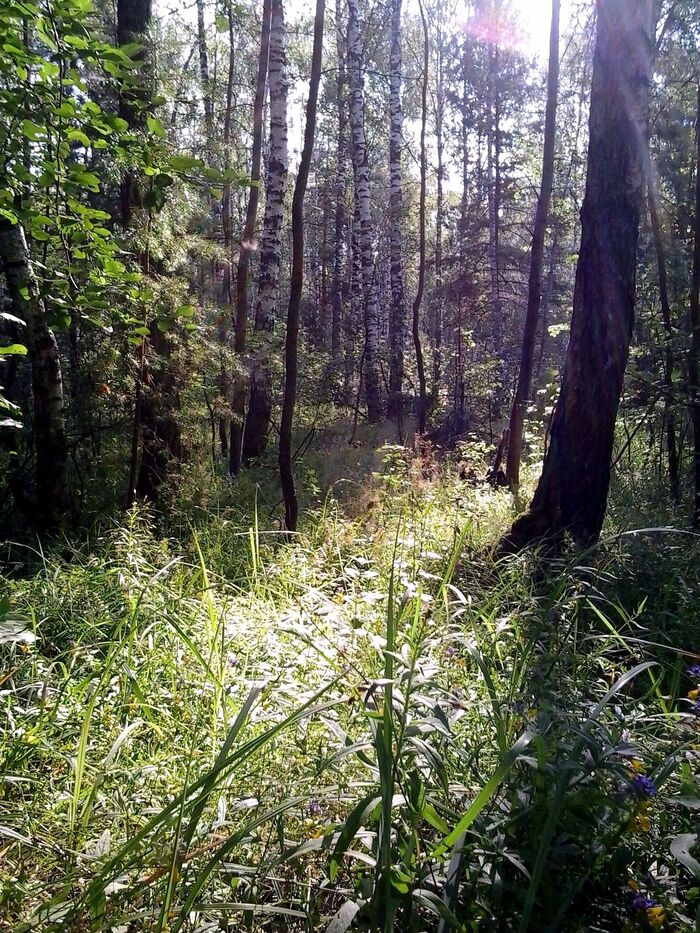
(439, 212)
(397, 318)
(246, 248)
(260, 404)
(527, 356)
(573, 489)
(291, 505)
(48, 425)
(669, 409)
(415, 317)
(340, 219)
(204, 73)
(361, 176)
(694, 354)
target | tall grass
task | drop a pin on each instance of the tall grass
(373, 728)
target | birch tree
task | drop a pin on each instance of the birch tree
(397, 320)
(246, 247)
(360, 164)
(260, 404)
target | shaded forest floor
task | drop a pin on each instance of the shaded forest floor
(205, 727)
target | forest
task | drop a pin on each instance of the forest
(349, 466)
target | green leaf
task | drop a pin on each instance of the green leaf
(181, 163)
(155, 126)
(680, 849)
(14, 349)
(221, 23)
(32, 130)
(185, 311)
(351, 828)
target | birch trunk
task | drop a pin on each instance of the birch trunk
(340, 219)
(48, 426)
(397, 319)
(246, 248)
(439, 210)
(527, 356)
(260, 404)
(573, 489)
(415, 317)
(361, 175)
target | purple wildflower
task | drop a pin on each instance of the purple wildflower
(314, 808)
(643, 786)
(694, 670)
(695, 708)
(636, 901)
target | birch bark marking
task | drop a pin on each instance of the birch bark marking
(361, 175)
(246, 248)
(397, 320)
(260, 405)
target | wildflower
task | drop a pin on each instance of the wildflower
(314, 808)
(231, 660)
(694, 694)
(656, 917)
(637, 901)
(639, 821)
(642, 786)
(695, 708)
(694, 670)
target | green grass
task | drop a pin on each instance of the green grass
(373, 727)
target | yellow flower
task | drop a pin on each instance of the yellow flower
(694, 694)
(639, 823)
(637, 766)
(656, 917)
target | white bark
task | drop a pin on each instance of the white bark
(361, 176)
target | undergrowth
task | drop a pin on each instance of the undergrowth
(373, 727)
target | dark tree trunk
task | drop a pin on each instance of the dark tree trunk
(573, 489)
(694, 355)
(397, 325)
(669, 409)
(291, 505)
(246, 249)
(527, 356)
(48, 427)
(340, 220)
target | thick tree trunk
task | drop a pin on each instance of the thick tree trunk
(415, 317)
(361, 175)
(260, 404)
(573, 489)
(246, 248)
(133, 22)
(291, 505)
(527, 356)
(397, 318)
(694, 355)
(48, 427)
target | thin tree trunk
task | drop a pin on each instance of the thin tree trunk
(439, 211)
(291, 505)
(527, 356)
(204, 73)
(397, 318)
(48, 425)
(361, 175)
(246, 249)
(415, 317)
(340, 219)
(573, 489)
(669, 409)
(493, 173)
(227, 229)
(694, 355)
(260, 404)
